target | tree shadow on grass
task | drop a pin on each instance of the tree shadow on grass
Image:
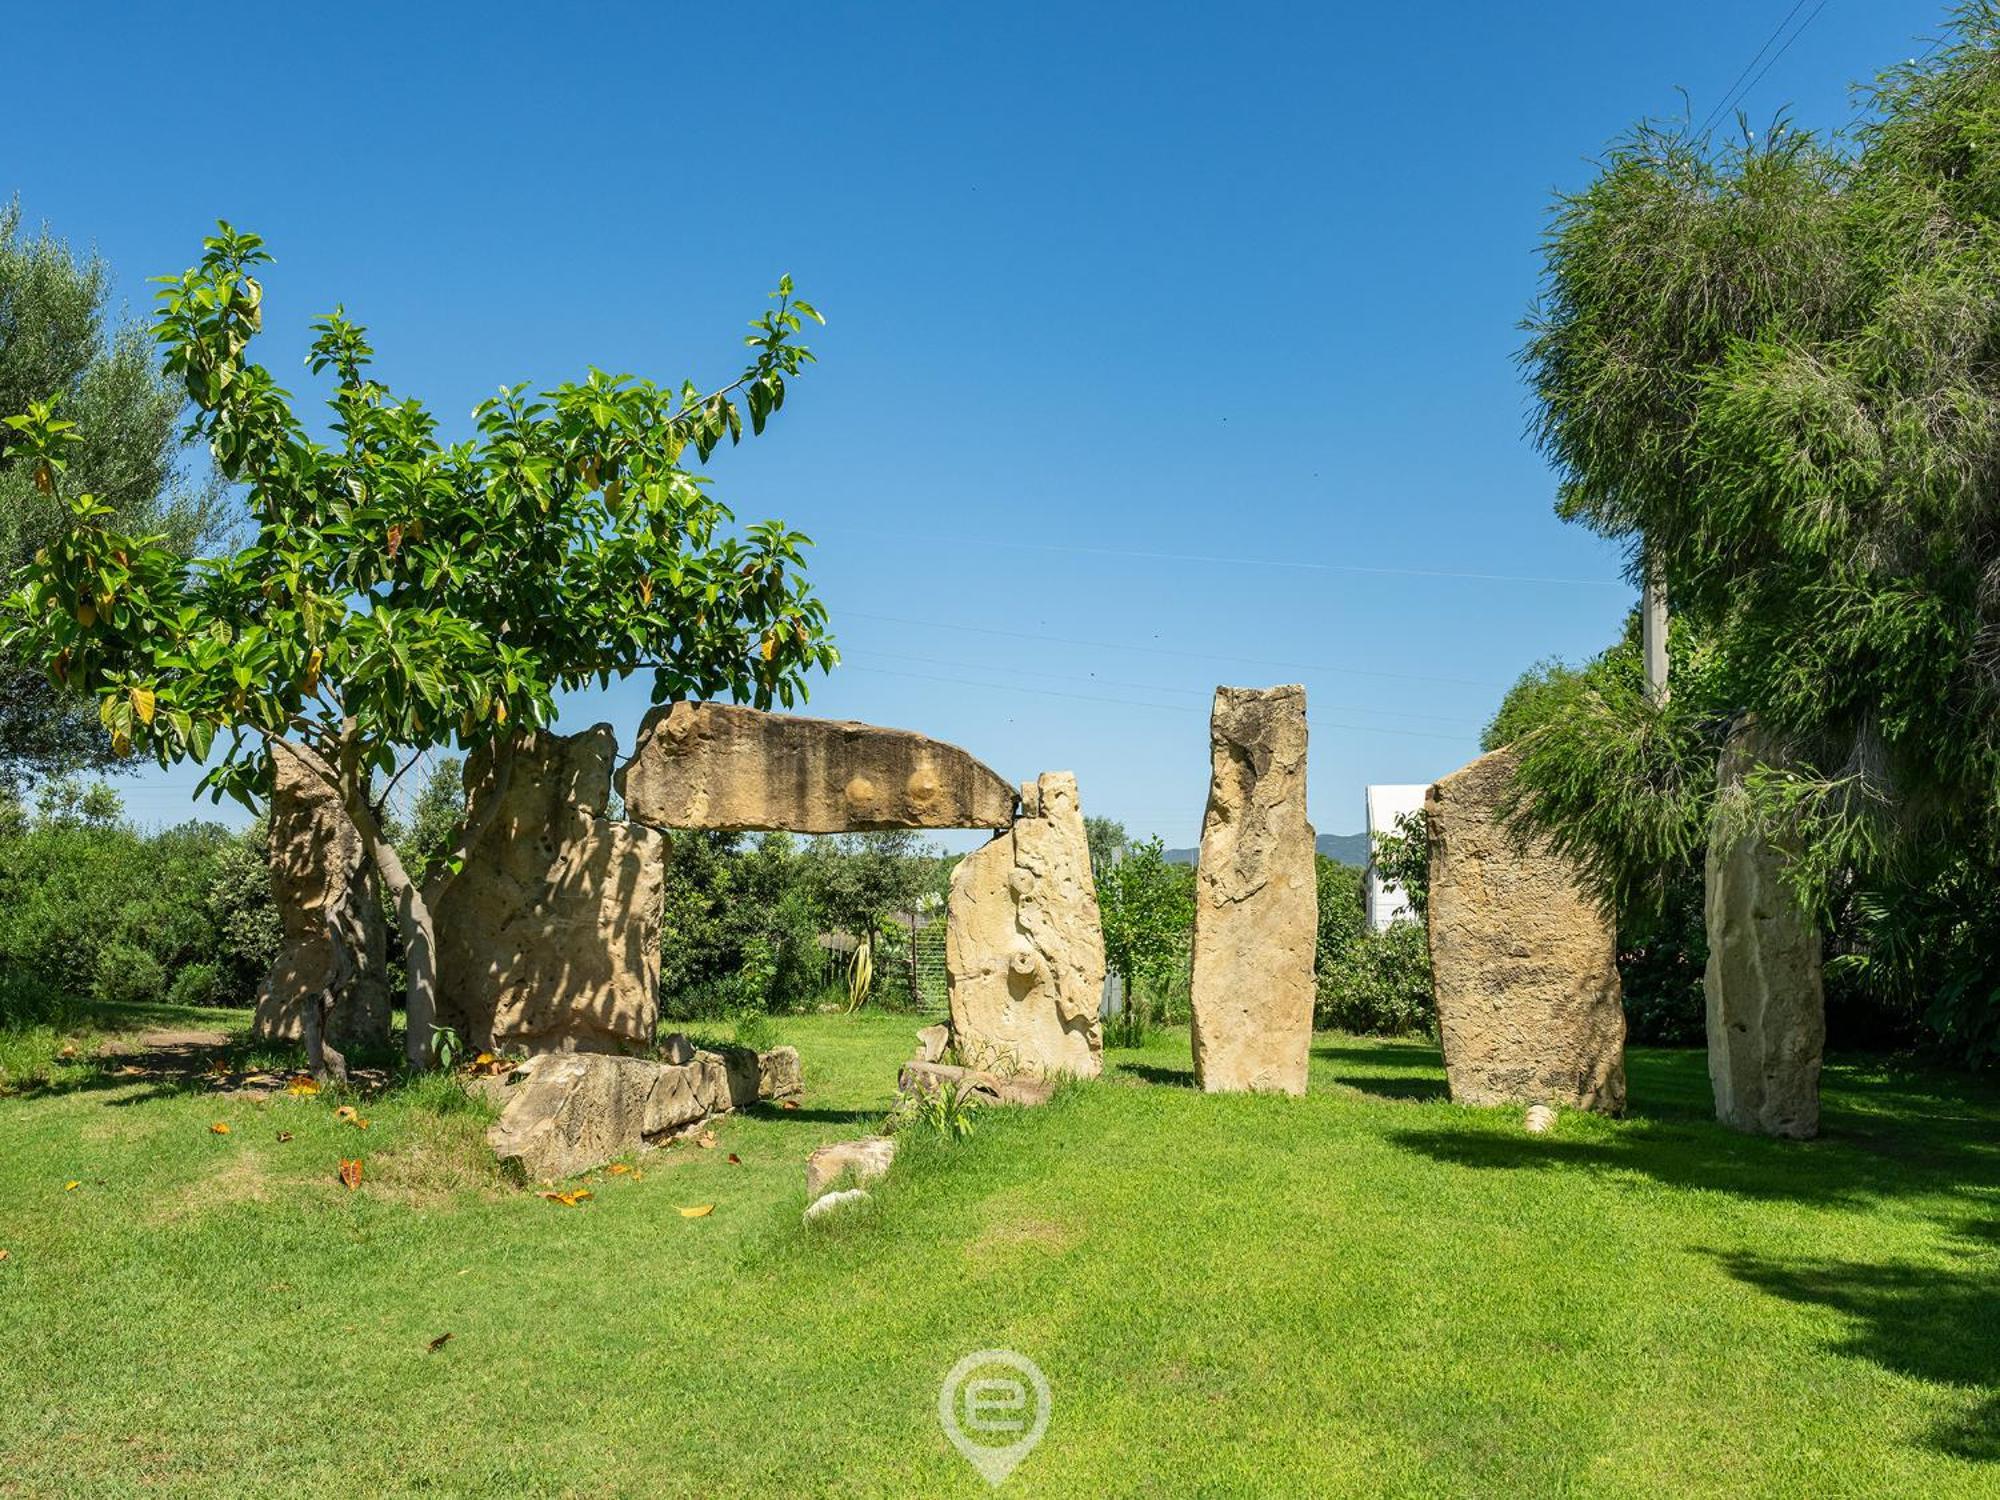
(1923, 1321)
(767, 1110)
(1172, 1077)
(1892, 1138)
(1386, 1070)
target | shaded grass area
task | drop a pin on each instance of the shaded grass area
(1366, 1291)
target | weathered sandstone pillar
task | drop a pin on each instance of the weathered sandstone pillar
(549, 938)
(1523, 962)
(1256, 899)
(317, 864)
(1024, 945)
(1766, 1008)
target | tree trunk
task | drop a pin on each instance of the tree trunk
(413, 921)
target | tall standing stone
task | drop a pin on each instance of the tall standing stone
(1766, 1007)
(1024, 944)
(1256, 911)
(320, 869)
(1523, 962)
(549, 938)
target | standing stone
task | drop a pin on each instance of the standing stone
(721, 766)
(1256, 909)
(317, 864)
(549, 938)
(1523, 962)
(1024, 945)
(1766, 1008)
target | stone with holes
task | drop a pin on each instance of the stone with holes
(1256, 910)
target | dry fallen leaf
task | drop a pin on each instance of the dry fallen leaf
(350, 1173)
(345, 1112)
(440, 1341)
(569, 1199)
(788, 1104)
(735, 1160)
(131, 1070)
(302, 1086)
(484, 1060)
(360, 1124)
(707, 1141)
(283, 1136)
(6, 1254)
(218, 1128)
(618, 1169)
(72, 1185)
(68, 1050)
(699, 1211)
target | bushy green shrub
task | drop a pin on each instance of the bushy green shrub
(198, 984)
(1380, 984)
(97, 910)
(127, 974)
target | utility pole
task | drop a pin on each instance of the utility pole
(1653, 633)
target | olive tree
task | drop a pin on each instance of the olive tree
(402, 593)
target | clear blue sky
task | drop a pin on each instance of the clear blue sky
(1146, 321)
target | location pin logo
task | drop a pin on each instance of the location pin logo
(994, 1406)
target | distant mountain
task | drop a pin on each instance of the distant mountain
(1342, 848)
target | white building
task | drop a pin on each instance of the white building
(1386, 902)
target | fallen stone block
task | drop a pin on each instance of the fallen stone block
(863, 1160)
(819, 1208)
(982, 1086)
(562, 1113)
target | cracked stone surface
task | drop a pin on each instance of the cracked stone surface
(1523, 962)
(726, 767)
(316, 861)
(565, 1113)
(1024, 943)
(1766, 1003)
(1256, 910)
(549, 939)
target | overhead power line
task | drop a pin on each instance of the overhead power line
(1095, 680)
(1167, 708)
(1293, 564)
(1255, 661)
(1739, 91)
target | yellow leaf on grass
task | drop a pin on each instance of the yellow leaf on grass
(569, 1199)
(699, 1211)
(6, 1254)
(345, 1112)
(72, 1185)
(350, 1173)
(218, 1128)
(302, 1086)
(618, 1169)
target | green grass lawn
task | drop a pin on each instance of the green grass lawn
(1366, 1291)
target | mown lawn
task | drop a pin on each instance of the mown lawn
(1367, 1291)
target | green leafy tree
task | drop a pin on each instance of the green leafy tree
(1106, 838)
(56, 343)
(1147, 907)
(1766, 366)
(401, 593)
